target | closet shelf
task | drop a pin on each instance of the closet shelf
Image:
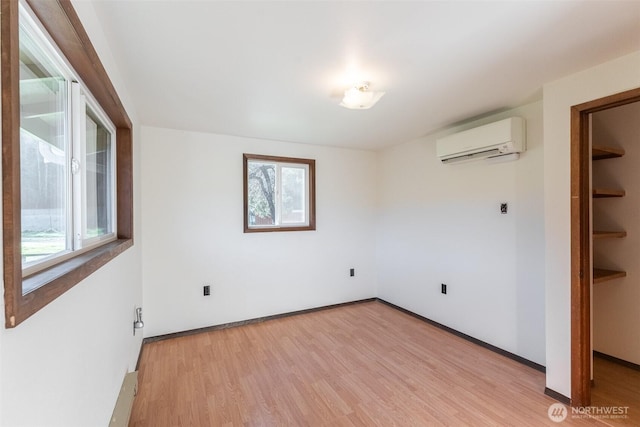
(601, 275)
(599, 234)
(607, 192)
(600, 152)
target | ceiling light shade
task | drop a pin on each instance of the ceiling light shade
(360, 98)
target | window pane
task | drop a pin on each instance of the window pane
(43, 136)
(293, 195)
(278, 193)
(98, 179)
(262, 193)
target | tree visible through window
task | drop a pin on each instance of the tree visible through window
(279, 193)
(262, 192)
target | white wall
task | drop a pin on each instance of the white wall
(192, 212)
(558, 97)
(442, 224)
(64, 366)
(616, 313)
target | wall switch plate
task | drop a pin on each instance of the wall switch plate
(443, 288)
(352, 272)
(503, 208)
(206, 290)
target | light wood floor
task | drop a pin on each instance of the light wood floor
(616, 385)
(365, 364)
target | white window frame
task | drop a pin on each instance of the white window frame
(78, 99)
(308, 165)
(82, 100)
(278, 221)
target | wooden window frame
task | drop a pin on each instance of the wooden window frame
(312, 192)
(63, 25)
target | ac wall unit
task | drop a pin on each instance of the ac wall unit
(496, 141)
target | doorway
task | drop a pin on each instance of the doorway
(581, 240)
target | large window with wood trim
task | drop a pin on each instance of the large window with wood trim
(66, 157)
(279, 193)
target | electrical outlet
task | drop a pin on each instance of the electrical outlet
(206, 290)
(443, 288)
(352, 272)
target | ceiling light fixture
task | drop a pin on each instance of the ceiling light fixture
(359, 97)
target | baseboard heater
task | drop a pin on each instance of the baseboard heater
(124, 404)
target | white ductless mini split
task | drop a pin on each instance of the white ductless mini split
(499, 141)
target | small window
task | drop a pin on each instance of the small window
(279, 193)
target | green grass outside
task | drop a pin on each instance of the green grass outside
(42, 243)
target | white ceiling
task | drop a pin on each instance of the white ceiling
(276, 70)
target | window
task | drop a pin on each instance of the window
(279, 193)
(44, 151)
(66, 157)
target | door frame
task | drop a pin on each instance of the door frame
(581, 269)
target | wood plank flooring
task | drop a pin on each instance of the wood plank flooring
(616, 385)
(365, 364)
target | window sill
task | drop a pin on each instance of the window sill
(268, 229)
(76, 268)
(44, 286)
